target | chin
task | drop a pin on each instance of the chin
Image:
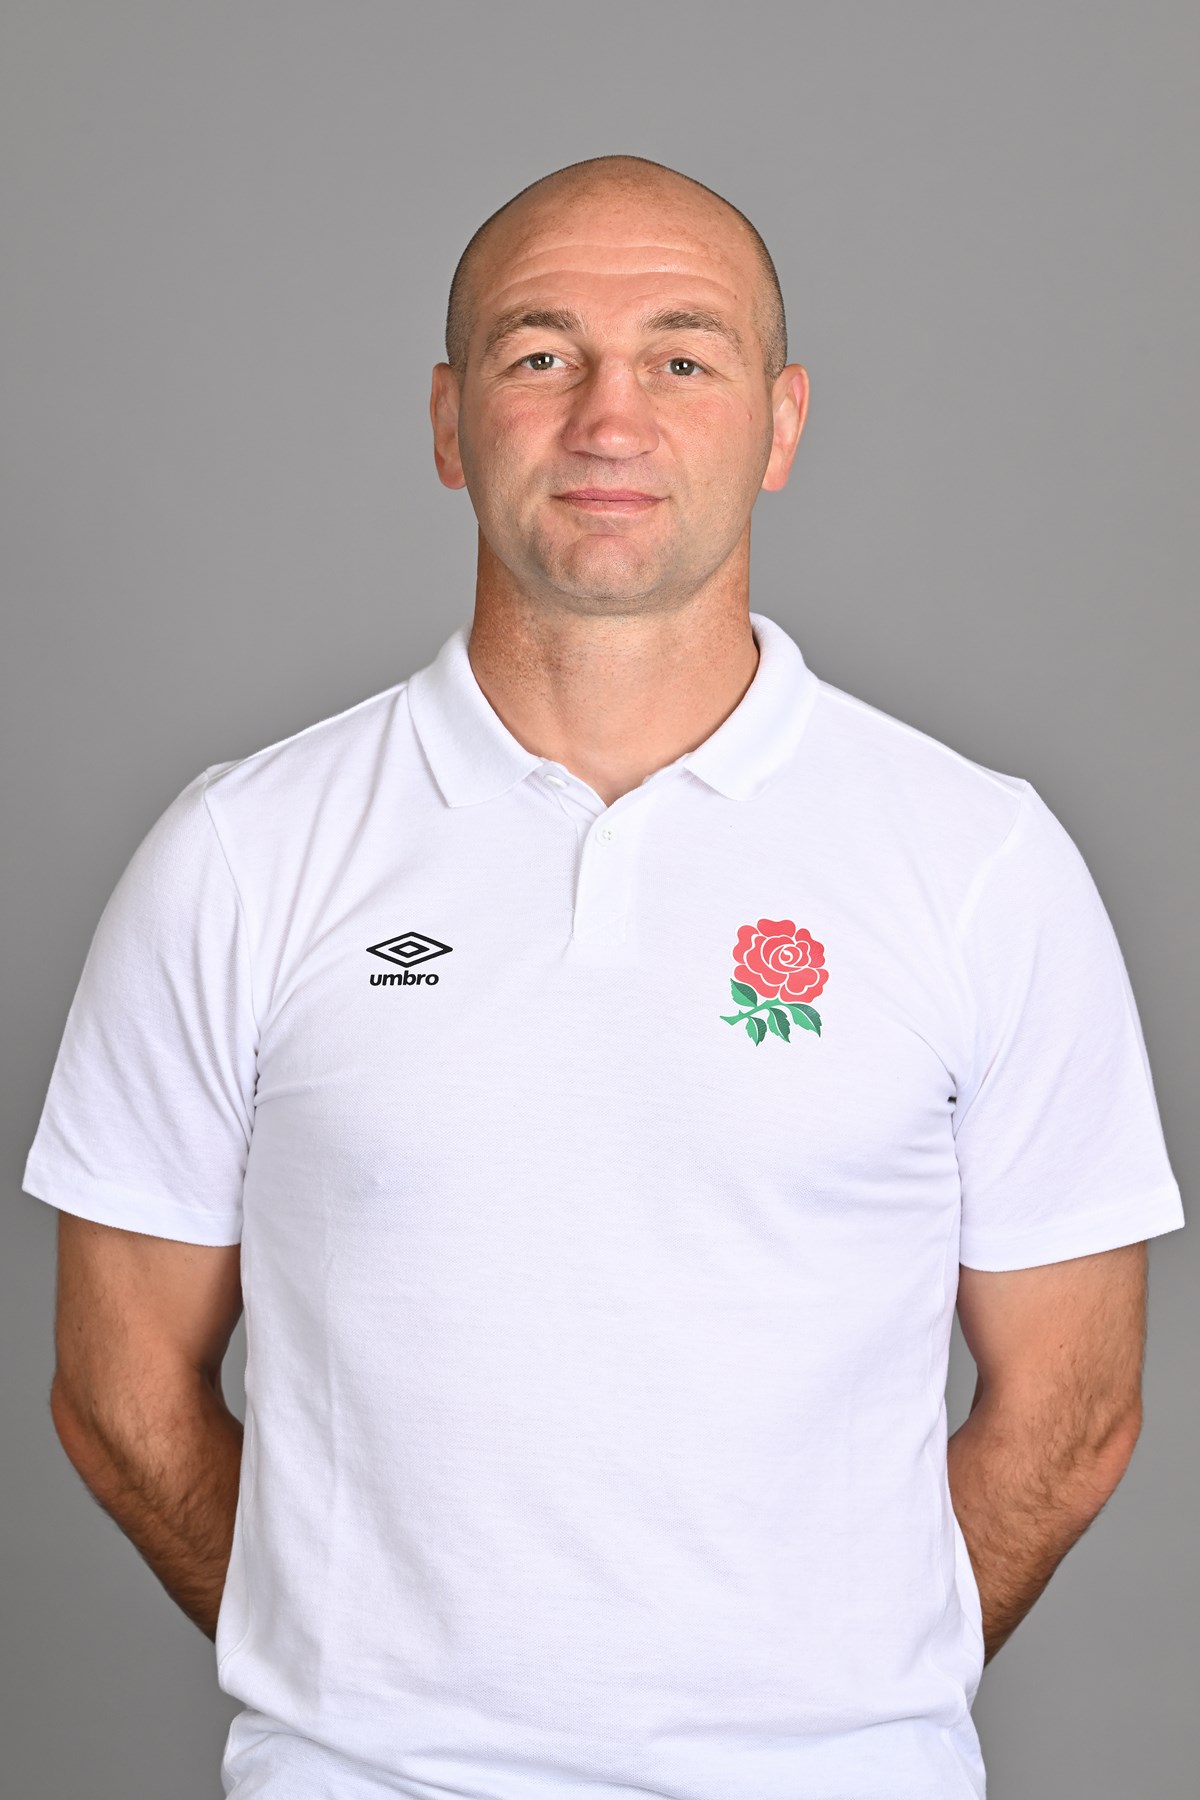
(605, 567)
(606, 588)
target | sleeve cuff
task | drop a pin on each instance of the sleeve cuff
(155, 1215)
(1127, 1222)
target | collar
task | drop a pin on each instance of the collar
(475, 757)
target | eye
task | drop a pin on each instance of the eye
(683, 365)
(539, 360)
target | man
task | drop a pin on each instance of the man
(590, 1061)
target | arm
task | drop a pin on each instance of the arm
(142, 1325)
(1057, 1411)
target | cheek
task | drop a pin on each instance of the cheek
(500, 441)
(523, 426)
(722, 447)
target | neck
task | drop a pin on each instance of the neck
(612, 696)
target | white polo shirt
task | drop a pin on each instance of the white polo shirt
(601, 1175)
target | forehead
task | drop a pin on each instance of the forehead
(611, 252)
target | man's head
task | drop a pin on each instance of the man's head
(616, 391)
(610, 174)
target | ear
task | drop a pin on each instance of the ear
(443, 414)
(789, 407)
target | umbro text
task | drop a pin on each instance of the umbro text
(408, 979)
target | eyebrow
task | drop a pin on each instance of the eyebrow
(556, 319)
(676, 319)
(523, 319)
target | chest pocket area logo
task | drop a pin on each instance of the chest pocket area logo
(777, 972)
(407, 948)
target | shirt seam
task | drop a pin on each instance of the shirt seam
(966, 1080)
(983, 874)
(243, 920)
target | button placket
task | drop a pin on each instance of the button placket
(605, 878)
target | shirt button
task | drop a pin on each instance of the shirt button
(605, 833)
(557, 780)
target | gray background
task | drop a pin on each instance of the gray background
(228, 233)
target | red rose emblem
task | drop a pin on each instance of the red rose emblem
(779, 962)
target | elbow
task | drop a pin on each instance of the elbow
(75, 1428)
(63, 1411)
(1112, 1448)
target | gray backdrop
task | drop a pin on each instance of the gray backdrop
(228, 229)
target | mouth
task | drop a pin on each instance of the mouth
(613, 501)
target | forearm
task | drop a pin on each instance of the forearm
(168, 1474)
(1025, 1490)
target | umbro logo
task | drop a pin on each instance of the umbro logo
(407, 948)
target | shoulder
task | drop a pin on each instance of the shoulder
(307, 761)
(268, 812)
(888, 769)
(950, 823)
(302, 786)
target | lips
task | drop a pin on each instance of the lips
(610, 500)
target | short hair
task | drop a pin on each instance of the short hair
(772, 318)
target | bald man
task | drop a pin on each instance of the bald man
(599, 1065)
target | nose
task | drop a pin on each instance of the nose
(611, 414)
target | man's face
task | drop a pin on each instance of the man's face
(615, 422)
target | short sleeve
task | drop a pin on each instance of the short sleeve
(1058, 1137)
(147, 1120)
